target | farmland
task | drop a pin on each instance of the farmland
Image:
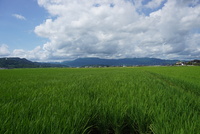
(138, 100)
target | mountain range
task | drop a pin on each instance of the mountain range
(15, 62)
(80, 62)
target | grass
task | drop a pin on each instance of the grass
(140, 100)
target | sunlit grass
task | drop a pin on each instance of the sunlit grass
(160, 100)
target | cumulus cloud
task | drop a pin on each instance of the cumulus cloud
(18, 16)
(4, 50)
(118, 29)
(37, 54)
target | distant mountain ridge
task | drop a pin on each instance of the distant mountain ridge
(16, 62)
(80, 62)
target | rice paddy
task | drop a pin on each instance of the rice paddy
(137, 100)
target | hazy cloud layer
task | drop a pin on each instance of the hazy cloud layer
(18, 16)
(167, 29)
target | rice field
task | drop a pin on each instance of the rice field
(137, 100)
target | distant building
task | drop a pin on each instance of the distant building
(180, 63)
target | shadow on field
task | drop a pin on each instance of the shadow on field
(125, 129)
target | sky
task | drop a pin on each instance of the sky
(59, 30)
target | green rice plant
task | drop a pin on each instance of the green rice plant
(140, 100)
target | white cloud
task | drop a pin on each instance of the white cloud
(37, 54)
(88, 31)
(117, 29)
(4, 50)
(154, 4)
(18, 16)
